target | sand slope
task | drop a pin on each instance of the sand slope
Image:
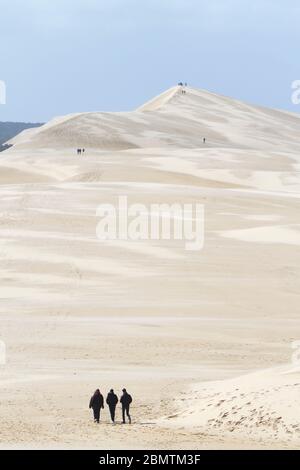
(258, 408)
(172, 120)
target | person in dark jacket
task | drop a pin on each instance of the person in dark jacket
(112, 401)
(97, 402)
(126, 401)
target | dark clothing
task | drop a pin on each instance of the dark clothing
(112, 401)
(96, 414)
(125, 409)
(125, 401)
(112, 410)
(96, 403)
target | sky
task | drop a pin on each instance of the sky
(64, 56)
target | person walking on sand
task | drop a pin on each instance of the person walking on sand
(112, 401)
(204, 140)
(96, 403)
(126, 401)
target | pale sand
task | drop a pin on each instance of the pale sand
(182, 330)
(267, 234)
(260, 406)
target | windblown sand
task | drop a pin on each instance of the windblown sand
(201, 339)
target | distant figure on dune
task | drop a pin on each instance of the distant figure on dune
(96, 403)
(182, 87)
(83, 150)
(204, 140)
(125, 401)
(112, 401)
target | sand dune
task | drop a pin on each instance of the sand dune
(257, 408)
(172, 120)
(201, 339)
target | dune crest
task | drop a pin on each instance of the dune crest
(171, 119)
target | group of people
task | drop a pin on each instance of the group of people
(80, 151)
(183, 87)
(97, 404)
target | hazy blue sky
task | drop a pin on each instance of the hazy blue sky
(63, 56)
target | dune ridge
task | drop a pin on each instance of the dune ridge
(172, 119)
